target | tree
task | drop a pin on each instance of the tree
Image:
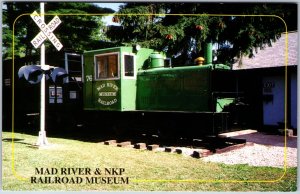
(85, 29)
(10, 13)
(77, 32)
(180, 29)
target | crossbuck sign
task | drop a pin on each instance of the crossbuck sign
(46, 31)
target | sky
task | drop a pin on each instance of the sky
(114, 6)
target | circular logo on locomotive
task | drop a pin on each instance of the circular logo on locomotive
(107, 93)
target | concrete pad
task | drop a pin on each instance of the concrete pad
(178, 151)
(229, 148)
(237, 133)
(152, 147)
(169, 149)
(124, 144)
(110, 142)
(201, 153)
(140, 146)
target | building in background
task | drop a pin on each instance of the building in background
(266, 77)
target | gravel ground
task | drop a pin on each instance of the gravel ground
(265, 150)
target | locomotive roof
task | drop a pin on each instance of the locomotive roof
(112, 48)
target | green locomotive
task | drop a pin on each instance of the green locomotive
(139, 87)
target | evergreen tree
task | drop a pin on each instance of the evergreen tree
(180, 29)
(78, 31)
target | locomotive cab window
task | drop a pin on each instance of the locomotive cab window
(129, 65)
(107, 66)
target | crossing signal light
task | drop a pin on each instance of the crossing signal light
(33, 74)
(59, 75)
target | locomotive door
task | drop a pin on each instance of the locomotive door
(106, 85)
(128, 81)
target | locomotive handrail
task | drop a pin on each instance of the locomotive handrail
(76, 81)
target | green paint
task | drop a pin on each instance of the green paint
(146, 87)
(174, 89)
(113, 93)
(208, 53)
(156, 60)
(222, 102)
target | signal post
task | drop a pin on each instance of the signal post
(46, 33)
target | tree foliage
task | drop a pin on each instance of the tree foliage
(78, 30)
(180, 29)
(10, 23)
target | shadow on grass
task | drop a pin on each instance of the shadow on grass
(12, 139)
(15, 140)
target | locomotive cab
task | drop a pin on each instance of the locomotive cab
(110, 78)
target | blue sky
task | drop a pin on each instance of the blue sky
(114, 6)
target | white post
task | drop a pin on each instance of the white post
(42, 139)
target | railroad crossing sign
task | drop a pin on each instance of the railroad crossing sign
(46, 31)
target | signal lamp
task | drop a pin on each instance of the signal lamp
(31, 73)
(59, 74)
(34, 73)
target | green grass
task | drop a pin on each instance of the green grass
(147, 170)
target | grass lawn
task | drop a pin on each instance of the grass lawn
(146, 170)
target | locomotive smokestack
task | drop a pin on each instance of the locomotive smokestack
(208, 53)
